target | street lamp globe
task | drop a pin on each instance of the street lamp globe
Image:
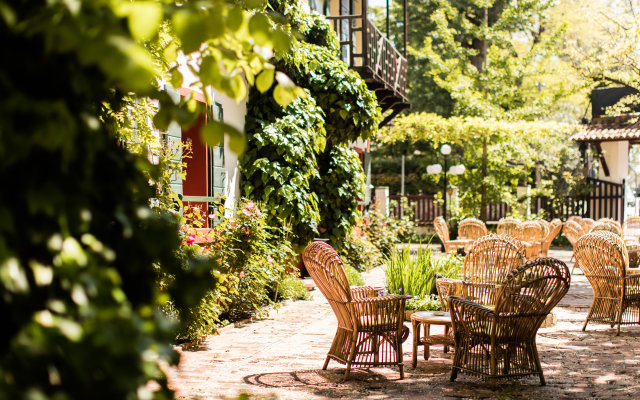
(434, 169)
(445, 149)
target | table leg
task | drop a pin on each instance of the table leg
(427, 331)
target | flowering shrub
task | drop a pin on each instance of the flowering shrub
(385, 232)
(253, 258)
(358, 252)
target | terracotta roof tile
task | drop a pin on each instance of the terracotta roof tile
(604, 129)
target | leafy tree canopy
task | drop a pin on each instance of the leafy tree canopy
(519, 153)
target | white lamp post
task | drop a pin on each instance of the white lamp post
(435, 169)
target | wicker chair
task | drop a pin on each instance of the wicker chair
(573, 231)
(489, 260)
(471, 228)
(574, 218)
(615, 225)
(554, 228)
(370, 328)
(501, 343)
(605, 225)
(507, 226)
(631, 227)
(586, 224)
(616, 296)
(531, 235)
(442, 230)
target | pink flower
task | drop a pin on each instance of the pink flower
(233, 223)
(192, 239)
(258, 213)
(246, 212)
(250, 205)
(241, 274)
(269, 259)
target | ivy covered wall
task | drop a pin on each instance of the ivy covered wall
(299, 162)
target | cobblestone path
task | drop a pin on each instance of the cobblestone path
(281, 357)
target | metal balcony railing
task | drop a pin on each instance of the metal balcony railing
(366, 50)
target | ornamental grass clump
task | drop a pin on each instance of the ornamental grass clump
(416, 274)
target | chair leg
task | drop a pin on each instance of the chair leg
(586, 321)
(536, 359)
(326, 362)
(352, 355)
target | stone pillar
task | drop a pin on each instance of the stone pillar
(382, 199)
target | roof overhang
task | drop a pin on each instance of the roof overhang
(611, 129)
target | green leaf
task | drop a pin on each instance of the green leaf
(283, 96)
(171, 52)
(235, 19)
(212, 133)
(265, 80)
(237, 143)
(209, 71)
(259, 29)
(176, 78)
(144, 19)
(190, 28)
(281, 40)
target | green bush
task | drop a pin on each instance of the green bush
(415, 274)
(291, 287)
(360, 253)
(353, 276)
(386, 232)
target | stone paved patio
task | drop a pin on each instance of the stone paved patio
(281, 357)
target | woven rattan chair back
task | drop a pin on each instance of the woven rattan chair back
(501, 343)
(631, 226)
(507, 226)
(603, 258)
(530, 232)
(574, 218)
(490, 259)
(606, 226)
(472, 228)
(546, 228)
(327, 271)
(586, 224)
(442, 230)
(370, 328)
(573, 231)
(554, 228)
(613, 223)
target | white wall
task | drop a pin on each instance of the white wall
(234, 115)
(617, 156)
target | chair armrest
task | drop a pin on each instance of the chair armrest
(363, 292)
(470, 317)
(384, 312)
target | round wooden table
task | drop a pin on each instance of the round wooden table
(426, 319)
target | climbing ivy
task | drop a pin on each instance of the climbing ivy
(338, 190)
(299, 163)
